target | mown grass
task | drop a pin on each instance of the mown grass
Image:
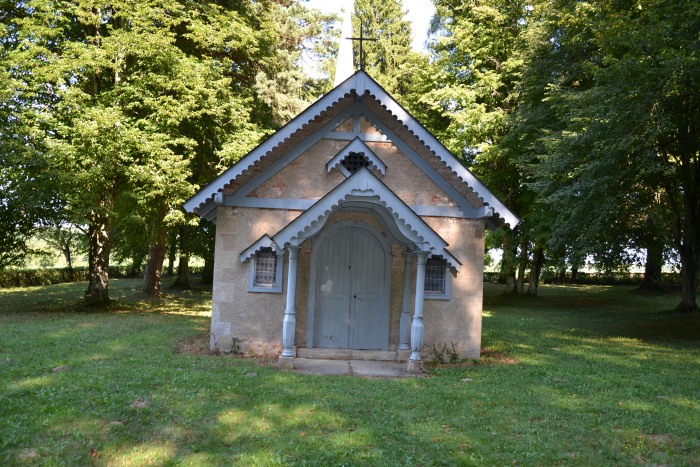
(578, 376)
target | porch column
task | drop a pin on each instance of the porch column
(290, 318)
(414, 363)
(405, 323)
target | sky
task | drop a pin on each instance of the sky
(419, 14)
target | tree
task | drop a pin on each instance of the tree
(65, 238)
(478, 58)
(28, 197)
(292, 33)
(621, 83)
(140, 100)
(274, 87)
(388, 56)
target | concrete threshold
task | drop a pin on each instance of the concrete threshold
(352, 354)
(365, 368)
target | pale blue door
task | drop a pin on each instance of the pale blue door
(352, 300)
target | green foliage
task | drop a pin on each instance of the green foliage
(294, 33)
(12, 278)
(27, 187)
(478, 65)
(388, 57)
(547, 390)
(127, 108)
(610, 125)
(477, 50)
(443, 354)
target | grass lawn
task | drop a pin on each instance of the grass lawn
(581, 375)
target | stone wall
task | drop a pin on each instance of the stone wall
(458, 320)
(242, 320)
(251, 323)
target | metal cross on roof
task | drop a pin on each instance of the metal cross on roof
(362, 38)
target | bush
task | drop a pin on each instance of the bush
(552, 276)
(606, 278)
(33, 277)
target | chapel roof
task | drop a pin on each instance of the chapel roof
(360, 87)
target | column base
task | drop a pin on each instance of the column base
(285, 363)
(415, 367)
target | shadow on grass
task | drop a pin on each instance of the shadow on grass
(582, 392)
(600, 311)
(125, 294)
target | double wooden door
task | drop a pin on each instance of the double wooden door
(352, 296)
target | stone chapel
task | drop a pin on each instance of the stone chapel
(351, 232)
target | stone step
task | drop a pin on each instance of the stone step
(352, 354)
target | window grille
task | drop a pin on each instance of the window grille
(435, 276)
(354, 161)
(265, 274)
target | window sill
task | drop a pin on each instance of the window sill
(436, 296)
(276, 289)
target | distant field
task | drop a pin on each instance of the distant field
(590, 375)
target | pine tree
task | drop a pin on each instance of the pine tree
(387, 58)
(478, 69)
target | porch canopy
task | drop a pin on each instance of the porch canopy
(361, 192)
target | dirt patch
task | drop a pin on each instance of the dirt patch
(493, 357)
(488, 357)
(658, 439)
(199, 345)
(194, 345)
(140, 404)
(28, 455)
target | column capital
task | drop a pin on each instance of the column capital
(422, 256)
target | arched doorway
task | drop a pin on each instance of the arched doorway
(349, 288)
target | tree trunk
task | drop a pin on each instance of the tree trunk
(522, 267)
(689, 252)
(208, 271)
(136, 264)
(99, 232)
(172, 253)
(153, 270)
(537, 263)
(182, 281)
(690, 285)
(653, 265)
(154, 267)
(561, 277)
(69, 260)
(509, 265)
(158, 239)
(574, 273)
